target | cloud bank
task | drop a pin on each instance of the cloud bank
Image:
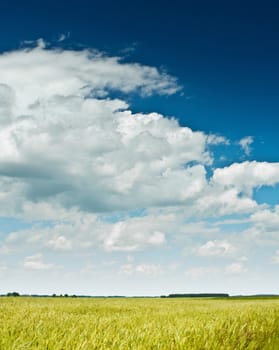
(90, 175)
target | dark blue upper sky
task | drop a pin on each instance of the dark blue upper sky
(224, 53)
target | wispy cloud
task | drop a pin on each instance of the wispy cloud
(236, 268)
(246, 144)
(35, 262)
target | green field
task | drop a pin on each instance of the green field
(88, 323)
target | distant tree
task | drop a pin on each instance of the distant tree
(13, 294)
(66, 295)
(53, 295)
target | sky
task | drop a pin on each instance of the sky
(139, 147)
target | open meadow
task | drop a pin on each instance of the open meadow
(138, 323)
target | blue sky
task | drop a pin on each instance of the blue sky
(139, 147)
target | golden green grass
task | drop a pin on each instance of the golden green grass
(88, 324)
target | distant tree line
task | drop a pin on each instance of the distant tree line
(197, 295)
(175, 295)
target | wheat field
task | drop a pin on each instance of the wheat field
(138, 323)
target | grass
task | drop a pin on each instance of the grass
(88, 324)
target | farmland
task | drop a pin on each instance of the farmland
(138, 323)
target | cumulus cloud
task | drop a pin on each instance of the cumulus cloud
(264, 229)
(247, 175)
(60, 140)
(266, 219)
(126, 236)
(64, 141)
(81, 232)
(221, 201)
(36, 75)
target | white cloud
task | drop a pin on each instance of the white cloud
(247, 175)
(35, 262)
(65, 144)
(132, 235)
(36, 75)
(246, 143)
(216, 248)
(236, 268)
(264, 229)
(266, 220)
(63, 36)
(81, 233)
(200, 271)
(220, 201)
(144, 269)
(60, 243)
(61, 143)
(217, 140)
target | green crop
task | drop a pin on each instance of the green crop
(102, 324)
